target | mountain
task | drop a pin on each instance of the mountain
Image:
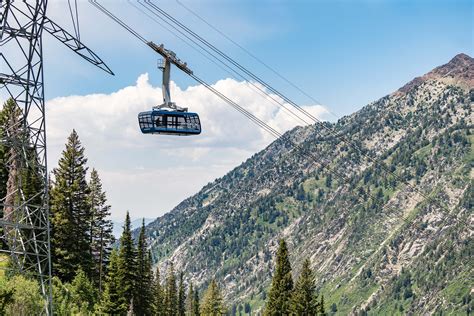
(380, 201)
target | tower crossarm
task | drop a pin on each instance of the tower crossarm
(74, 44)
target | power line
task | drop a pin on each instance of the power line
(273, 70)
(235, 105)
(229, 69)
(286, 99)
(117, 20)
(267, 127)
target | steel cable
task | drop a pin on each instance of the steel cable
(258, 121)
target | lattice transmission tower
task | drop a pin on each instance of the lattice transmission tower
(24, 226)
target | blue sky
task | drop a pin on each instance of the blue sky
(343, 53)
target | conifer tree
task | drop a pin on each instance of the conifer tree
(143, 296)
(181, 296)
(83, 294)
(322, 310)
(14, 168)
(10, 118)
(127, 261)
(10, 104)
(212, 302)
(158, 299)
(113, 298)
(197, 306)
(304, 298)
(279, 297)
(100, 229)
(71, 213)
(171, 295)
(190, 302)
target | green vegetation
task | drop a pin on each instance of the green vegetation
(71, 213)
(286, 299)
(90, 277)
(304, 300)
(365, 227)
(279, 297)
(212, 302)
(20, 296)
(386, 224)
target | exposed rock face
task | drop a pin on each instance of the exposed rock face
(459, 70)
(381, 202)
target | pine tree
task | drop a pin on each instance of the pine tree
(4, 148)
(171, 295)
(158, 299)
(100, 229)
(127, 261)
(71, 213)
(10, 132)
(18, 166)
(181, 296)
(279, 297)
(113, 298)
(212, 302)
(190, 308)
(322, 310)
(197, 306)
(83, 294)
(143, 296)
(304, 298)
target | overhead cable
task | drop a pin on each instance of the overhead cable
(286, 99)
(253, 118)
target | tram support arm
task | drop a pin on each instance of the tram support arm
(166, 82)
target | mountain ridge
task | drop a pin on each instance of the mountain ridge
(460, 69)
(369, 254)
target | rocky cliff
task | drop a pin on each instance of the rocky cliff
(380, 201)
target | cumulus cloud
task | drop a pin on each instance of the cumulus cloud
(160, 171)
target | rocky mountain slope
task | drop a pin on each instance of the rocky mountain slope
(381, 202)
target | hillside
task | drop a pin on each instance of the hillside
(387, 223)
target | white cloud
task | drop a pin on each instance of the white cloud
(150, 174)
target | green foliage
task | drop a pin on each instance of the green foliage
(83, 294)
(19, 171)
(20, 296)
(143, 296)
(170, 296)
(71, 215)
(304, 298)
(322, 309)
(77, 298)
(422, 139)
(62, 297)
(181, 296)
(279, 297)
(197, 306)
(114, 301)
(212, 301)
(100, 229)
(158, 295)
(192, 302)
(127, 262)
(6, 295)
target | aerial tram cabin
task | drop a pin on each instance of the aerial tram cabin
(161, 121)
(168, 118)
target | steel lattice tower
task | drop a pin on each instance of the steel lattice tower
(25, 222)
(25, 228)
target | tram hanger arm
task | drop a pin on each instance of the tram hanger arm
(171, 56)
(74, 44)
